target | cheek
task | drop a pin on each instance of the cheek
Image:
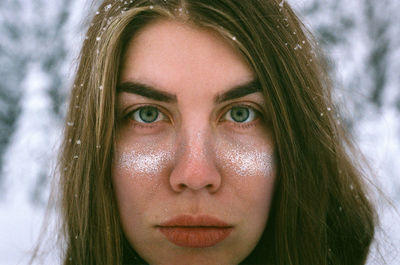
(249, 168)
(142, 161)
(250, 165)
(248, 161)
(137, 175)
(142, 164)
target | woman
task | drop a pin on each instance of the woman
(203, 132)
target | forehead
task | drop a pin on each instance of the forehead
(170, 55)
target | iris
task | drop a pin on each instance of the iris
(239, 114)
(148, 114)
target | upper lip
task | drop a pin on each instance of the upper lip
(195, 221)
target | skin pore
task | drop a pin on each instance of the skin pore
(192, 139)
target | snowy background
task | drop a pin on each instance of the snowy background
(39, 44)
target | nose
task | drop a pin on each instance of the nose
(195, 168)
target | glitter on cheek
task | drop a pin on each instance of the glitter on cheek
(246, 162)
(251, 163)
(149, 163)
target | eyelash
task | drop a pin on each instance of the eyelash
(254, 113)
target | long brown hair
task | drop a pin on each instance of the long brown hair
(320, 213)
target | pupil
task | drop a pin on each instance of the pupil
(240, 114)
(148, 114)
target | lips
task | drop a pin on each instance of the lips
(195, 232)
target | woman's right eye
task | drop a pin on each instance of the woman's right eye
(147, 114)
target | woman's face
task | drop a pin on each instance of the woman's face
(193, 168)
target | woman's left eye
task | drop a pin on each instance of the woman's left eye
(147, 114)
(241, 114)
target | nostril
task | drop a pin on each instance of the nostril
(182, 186)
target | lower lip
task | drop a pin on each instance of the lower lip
(195, 237)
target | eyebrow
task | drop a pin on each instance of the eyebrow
(146, 91)
(239, 91)
(158, 95)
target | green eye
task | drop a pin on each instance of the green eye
(146, 114)
(240, 114)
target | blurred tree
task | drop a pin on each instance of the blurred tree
(32, 33)
(377, 28)
(28, 160)
(360, 44)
